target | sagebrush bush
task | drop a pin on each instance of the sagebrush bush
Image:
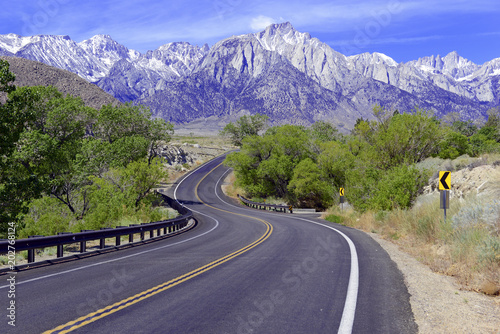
(479, 214)
(489, 251)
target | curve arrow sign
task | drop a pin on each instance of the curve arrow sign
(444, 180)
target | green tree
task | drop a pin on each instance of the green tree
(466, 128)
(334, 161)
(6, 78)
(406, 138)
(453, 145)
(324, 132)
(309, 186)
(397, 188)
(493, 118)
(264, 165)
(121, 192)
(245, 126)
(483, 142)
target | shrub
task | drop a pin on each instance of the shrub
(453, 145)
(334, 219)
(479, 214)
(47, 216)
(397, 188)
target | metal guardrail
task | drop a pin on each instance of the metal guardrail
(264, 206)
(35, 242)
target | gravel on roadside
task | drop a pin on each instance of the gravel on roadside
(438, 303)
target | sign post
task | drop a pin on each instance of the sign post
(342, 199)
(444, 189)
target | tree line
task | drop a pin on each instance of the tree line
(65, 166)
(375, 163)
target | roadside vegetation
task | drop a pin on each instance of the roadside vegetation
(384, 165)
(66, 167)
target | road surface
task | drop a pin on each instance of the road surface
(239, 270)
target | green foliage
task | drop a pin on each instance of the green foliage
(375, 164)
(334, 161)
(334, 219)
(493, 118)
(397, 188)
(46, 216)
(6, 78)
(53, 146)
(371, 188)
(245, 126)
(453, 145)
(486, 140)
(309, 187)
(466, 128)
(324, 132)
(405, 139)
(264, 166)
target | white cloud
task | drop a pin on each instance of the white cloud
(261, 22)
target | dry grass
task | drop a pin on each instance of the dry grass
(468, 250)
(230, 188)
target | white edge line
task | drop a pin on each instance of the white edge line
(349, 311)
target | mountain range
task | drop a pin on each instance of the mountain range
(280, 72)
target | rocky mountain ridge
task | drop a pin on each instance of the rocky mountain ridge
(280, 71)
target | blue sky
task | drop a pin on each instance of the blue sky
(404, 30)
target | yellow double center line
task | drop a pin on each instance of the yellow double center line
(101, 313)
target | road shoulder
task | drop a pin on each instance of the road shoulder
(437, 302)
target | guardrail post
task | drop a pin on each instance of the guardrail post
(151, 234)
(102, 241)
(31, 252)
(60, 249)
(83, 244)
(31, 255)
(131, 238)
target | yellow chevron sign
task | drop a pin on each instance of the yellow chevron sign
(444, 180)
(341, 191)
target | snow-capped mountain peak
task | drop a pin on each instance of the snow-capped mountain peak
(13, 43)
(275, 35)
(108, 50)
(452, 65)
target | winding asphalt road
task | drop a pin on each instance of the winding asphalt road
(238, 271)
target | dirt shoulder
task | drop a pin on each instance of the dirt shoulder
(438, 303)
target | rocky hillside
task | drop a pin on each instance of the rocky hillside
(476, 177)
(33, 73)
